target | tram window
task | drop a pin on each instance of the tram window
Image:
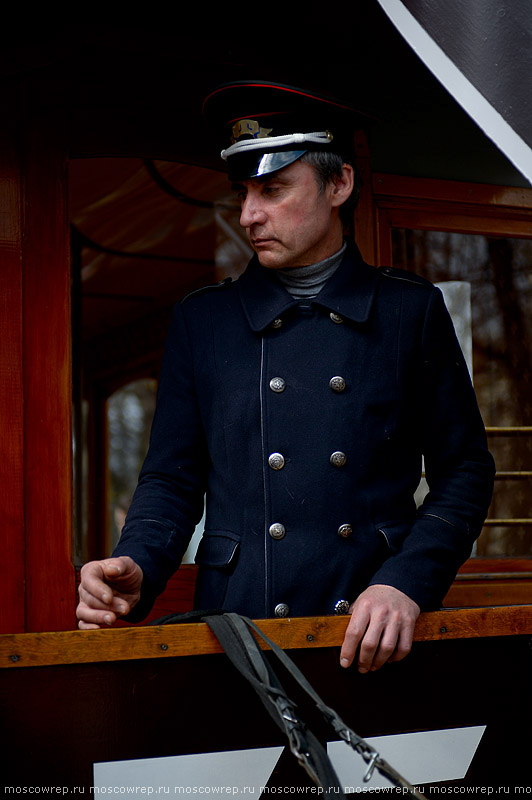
(144, 234)
(498, 271)
(129, 414)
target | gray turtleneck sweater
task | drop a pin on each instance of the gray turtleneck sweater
(304, 283)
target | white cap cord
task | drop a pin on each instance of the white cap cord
(267, 142)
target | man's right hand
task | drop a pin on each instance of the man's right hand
(109, 589)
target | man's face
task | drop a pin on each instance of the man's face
(287, 221)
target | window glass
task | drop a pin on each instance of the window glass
(129, 415)
(499, 273)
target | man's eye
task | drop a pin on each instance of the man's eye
(238, 191)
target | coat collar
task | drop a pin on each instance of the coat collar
(349, 292)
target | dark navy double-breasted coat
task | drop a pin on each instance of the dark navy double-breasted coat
(306, 425)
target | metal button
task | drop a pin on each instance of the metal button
(337, 383)
(337, 458)
(277, 323)
(281, 610)
(341, 607)
(277, 385)
(276, 460)
(345, 530)
(277, 530)
(336, 318)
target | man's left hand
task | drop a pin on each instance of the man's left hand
(382, 624)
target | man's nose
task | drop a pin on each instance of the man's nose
(252, 211)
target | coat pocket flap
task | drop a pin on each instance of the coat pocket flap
(217, 549)
(394, 533)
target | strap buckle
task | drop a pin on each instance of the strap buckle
(371, 767)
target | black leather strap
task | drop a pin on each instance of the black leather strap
(236, 635)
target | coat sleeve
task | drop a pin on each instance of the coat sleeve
(168, 500)
(458, 466)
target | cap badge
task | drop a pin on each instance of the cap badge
(249, 127)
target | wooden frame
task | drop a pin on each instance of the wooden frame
(447, 206)
(35, 366)
(162, 641)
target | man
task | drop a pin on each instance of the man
(301, 399)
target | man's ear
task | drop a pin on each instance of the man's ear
(342, 185)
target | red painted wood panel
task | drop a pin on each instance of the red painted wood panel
(50, 577)
(11, 389)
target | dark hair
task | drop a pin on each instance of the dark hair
(327, 167)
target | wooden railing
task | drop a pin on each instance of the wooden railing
(160, 641)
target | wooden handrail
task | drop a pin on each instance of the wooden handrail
(124, 644)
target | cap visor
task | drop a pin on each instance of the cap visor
(252, 165)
